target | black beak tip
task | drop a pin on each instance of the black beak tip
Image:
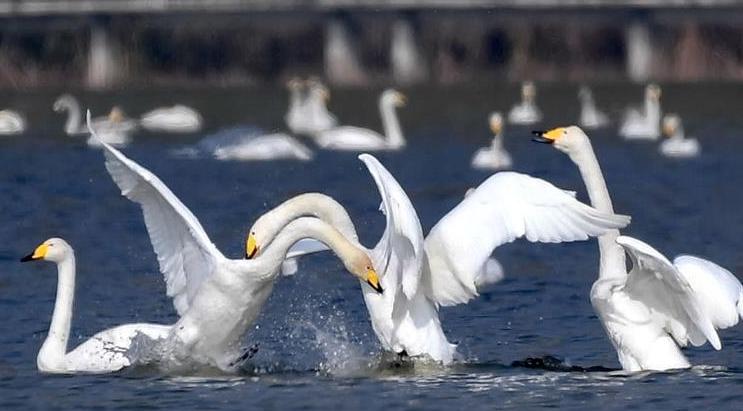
(29, 257)
(377, 288)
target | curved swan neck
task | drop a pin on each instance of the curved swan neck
(310, 227)
(497, 142)
(612, 255)
(309, 204)
(652, 109)
(391, 124)
(55, 346)
(74, 116)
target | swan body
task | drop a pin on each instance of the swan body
(494, 157)
(526, 112)
(174, 119)
(113, 129)
(361, 139)
(645, 124)
(11, 123)
(590, 116)
(419, 274)
(104, 352)
(657, 307)
(308, 111)
(216, 298)
(251, 144)
(677, 145)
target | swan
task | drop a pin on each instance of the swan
(216, 298)
(308, 112)
(250, 144)
(590, 116)
(105, 351)
(644, 125)
(677, 145)
(494, 157)
(657, 307)
(361, 139)
(445, 268)
(113, 129)
(526, 112)
(11, 123)
(174, 119)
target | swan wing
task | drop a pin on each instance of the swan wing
(505, 207)
(668, 296)
(717, 290)
(184, 251)
(399, 253)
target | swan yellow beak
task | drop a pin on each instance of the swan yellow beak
(373, 280)
(668, 129)
(401, 99)
(251, 247)
(495, 127)
(38, 254)
(548, 137)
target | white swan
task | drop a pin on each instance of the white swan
(105, 351)
(11, 123)
(173, 119)
(590, 116)
(526, 112)
(445, 268)
(113, 129)
(217, 298)
(657, 307)
(308, 111)
(494, 157)
(677, 145)
(645, 124)
(361, 139)
(250, 144)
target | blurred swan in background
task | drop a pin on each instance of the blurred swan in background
(526, 112)
(495, 156)
(657, 307)
(590, 116)
(643, 124)
(173, 119)
(11, 123)
(217, 298)
(361, 139)
(249, 144)
(102, 353)
(677, 145)
(113, 128)
(308, 112)
(446, 267)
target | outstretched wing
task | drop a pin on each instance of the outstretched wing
(184, 251)
(669, 297)
(505, 207)
(398, 255)
(718, 292)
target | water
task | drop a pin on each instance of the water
(316, 347)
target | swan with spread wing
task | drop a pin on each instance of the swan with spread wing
(419, 274)
(656, 308)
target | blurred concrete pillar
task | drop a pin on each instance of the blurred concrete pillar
(520, 37)
(639, 51)
(342, 63)
(104, 58)
(690, 56)
(407, 61)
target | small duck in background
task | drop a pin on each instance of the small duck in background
(494, 157)
(590, 116)
(677, 145)
(526, 112)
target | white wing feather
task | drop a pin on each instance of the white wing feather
(669, 297)
(184, 251)
(505, 207)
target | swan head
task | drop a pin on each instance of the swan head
(318, 89)
(528, 90)
(361, 266)
(496, 122)
(584, 93)
(251, 244)
(394, 98)
(63, 102)
(653, 92)
(53, 249)
(294, 84)
(671, 124)
(565, 139)
(116, 115)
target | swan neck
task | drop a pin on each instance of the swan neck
(391, 124)
(74, 117)
(309, 227)
(652, 110)
(55, 346)
(497, 142)
(612, 262)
